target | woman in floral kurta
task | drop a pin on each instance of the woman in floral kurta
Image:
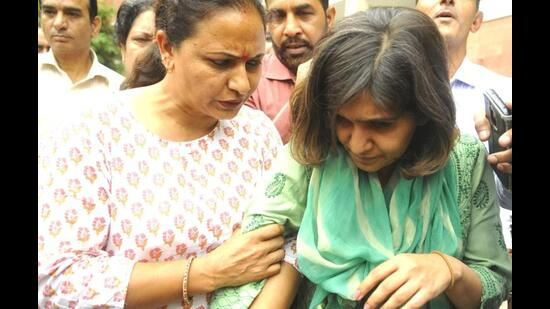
(162, 174)
(112, 194)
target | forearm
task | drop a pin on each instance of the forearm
(279, 290)
(155, 284)
(466, 292)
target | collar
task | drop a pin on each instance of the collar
(466, 73)
(97, 69)
(274, 69)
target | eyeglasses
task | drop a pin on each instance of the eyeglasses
(43, 48)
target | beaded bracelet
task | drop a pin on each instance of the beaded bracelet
(186, 300)
(449, 266)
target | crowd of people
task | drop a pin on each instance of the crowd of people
(343, 167)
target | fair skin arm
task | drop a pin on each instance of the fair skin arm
(411, 280)
(502, 158)
(241, 259)
(279, 291)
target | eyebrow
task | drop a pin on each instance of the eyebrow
(373, 120)
(65, 9)
(234, 56)
(72, 10)
(300, 7)
(143, 32)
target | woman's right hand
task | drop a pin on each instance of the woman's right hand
(246, 257)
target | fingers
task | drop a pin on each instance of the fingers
(378, 274)
(418, 300)
(505, 167)
(272, 244)
(483, 127)
(273, 269)
(401, 296)
(276, 256)
(387, 289)
(500, 157)
(271, 264)
(505, 140)
(509, 105)
(268, 232)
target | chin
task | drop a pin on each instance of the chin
(227, 114)
(368, 168)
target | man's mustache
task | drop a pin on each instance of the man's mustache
(295, 42)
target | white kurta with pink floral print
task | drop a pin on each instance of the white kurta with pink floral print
(111, 194)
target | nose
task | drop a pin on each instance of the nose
(292, 26)
(239, 81)
(59, 21)
(360, 141)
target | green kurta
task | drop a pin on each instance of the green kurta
(348, 224)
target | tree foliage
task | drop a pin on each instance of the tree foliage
(108, 53)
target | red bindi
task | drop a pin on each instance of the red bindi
(245, 57)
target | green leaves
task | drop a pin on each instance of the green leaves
(108, 53)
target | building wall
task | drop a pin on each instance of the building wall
(491, 45)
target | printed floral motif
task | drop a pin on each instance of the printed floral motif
(168, 237)
(90, 174)
(75, 155)
(118, 194)
(45, 211)
(88, 204)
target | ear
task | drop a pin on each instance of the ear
(96, 26)
(166, 50)
(165, 47)
(331, 15)
(478, 20)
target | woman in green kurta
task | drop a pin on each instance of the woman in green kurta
(391, 207)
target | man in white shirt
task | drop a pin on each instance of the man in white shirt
(69, 76)
(455, 20)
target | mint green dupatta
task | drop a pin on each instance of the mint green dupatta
(348, 224)
(351, 224)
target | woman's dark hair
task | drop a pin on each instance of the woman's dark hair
(148, 69)
(398, 56)
(127, 13)
(178, 19)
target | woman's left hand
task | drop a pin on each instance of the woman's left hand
(405, 281)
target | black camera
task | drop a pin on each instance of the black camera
(500, 118)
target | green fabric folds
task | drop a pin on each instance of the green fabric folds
(348, 227)
(348, 224)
